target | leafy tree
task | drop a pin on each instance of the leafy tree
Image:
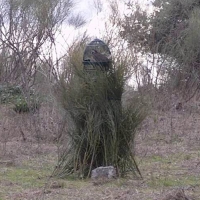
(172, 31)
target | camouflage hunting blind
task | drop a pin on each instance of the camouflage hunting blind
(96, 56)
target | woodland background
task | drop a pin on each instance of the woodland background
(160, 49)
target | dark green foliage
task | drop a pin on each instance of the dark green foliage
(8, 93)
(14, 95)
(163, 30)
(103, 131)
(175, 30)
(22, 106)
(170, 24)
(172, 31)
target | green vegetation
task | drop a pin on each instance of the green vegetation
(22, 106)
(8, 94)
(26, 178)
(104, 130)
(14, 95)
(171, 181)
(92, 118)
(171, 35)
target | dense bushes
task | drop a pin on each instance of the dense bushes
(103, 130)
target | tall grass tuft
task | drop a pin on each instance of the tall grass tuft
(102, 129)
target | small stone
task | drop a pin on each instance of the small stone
(104, 172)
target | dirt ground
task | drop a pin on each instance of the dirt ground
(167, 151)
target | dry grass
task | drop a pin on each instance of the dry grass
(167, 151)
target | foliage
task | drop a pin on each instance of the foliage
(171, 31)
(102, 130)
(14, 95)
(166, 24)
(28, 32)
(21, 105)
(135, 28)
(175, 29)
(8, 93)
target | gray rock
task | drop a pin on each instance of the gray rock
(104, 172)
